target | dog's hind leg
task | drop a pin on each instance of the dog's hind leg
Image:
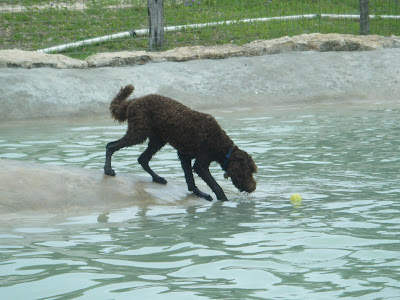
(154, 145)
(186, 162)
(110, 149)
(201, 167)
(130, 138)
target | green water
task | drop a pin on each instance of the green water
(343, 240)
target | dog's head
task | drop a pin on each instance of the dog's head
(240, 169)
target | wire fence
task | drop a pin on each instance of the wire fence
(123, 25)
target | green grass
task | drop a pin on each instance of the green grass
(43, 25)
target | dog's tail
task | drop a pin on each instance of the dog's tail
(119, 105)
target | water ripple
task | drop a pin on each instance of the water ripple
(341, 241)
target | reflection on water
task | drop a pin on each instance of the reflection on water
(342, 241)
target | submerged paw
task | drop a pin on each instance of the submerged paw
(159, 180)
(200, 194)
(109, 172)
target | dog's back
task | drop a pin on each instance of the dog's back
(183, 128)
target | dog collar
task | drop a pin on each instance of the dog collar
(225, 165)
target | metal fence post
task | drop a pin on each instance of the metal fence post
(364, 17)
(155, 10)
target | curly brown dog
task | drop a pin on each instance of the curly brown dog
(193, 134)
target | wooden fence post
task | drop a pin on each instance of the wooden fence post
(364, 17)
(155, 10)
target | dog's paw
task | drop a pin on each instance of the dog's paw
(200, 194)
(160, 180)
(109, 172)
(208, 197)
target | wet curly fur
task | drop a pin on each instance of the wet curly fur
(193, 134)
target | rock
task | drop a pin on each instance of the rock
(119, 59)
(321, 43)
(198, 52)
(31, 59)
(305, 42)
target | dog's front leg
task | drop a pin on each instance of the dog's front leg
(154, 145)
(202, 169)
(186, 162)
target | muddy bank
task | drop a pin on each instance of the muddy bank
(27, 186)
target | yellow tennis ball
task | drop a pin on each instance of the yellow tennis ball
(295, 199)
